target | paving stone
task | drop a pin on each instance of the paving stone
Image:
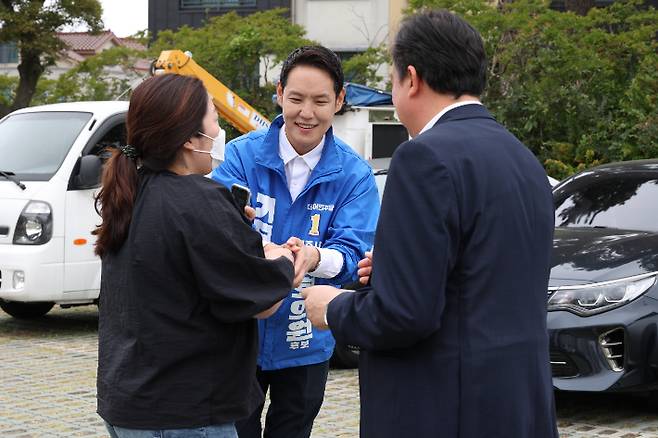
(48, 378)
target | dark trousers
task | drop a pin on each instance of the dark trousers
(296, 396)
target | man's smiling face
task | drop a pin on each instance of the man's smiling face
(309, 103)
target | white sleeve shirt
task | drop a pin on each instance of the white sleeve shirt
(298, 170)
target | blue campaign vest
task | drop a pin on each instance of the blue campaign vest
(337, 209)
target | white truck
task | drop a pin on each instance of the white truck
(50, 162)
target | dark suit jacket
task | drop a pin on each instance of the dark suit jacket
(454, 326)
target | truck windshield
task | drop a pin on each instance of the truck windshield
(34, 145)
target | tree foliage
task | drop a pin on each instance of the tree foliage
(108, 75)
(32, 25)
(105, 76)
(578, 90)
(7, 89)
(363, 68)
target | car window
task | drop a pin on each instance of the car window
(380, 169)
(113, 138)
(34, 145)
(628, 202)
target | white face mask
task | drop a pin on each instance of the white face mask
(217, 151)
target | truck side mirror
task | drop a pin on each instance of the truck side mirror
(86, 173)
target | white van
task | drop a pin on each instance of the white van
(50, 165)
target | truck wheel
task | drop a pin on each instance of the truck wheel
(26, 310)
(345, 357)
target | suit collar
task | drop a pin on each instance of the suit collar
(465, 112)
(440, 114)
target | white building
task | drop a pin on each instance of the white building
(347, 27)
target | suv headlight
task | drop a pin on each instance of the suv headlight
(35, 224)
(589, 299)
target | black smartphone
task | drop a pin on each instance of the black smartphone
(242, 196)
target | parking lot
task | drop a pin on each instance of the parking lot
(48, 370)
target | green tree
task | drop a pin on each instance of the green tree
(32, 24)
(7, 89)
(580, 7)
(232, 48)
(362, 68)
(578, 90)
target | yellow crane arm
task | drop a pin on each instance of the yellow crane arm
(230, 106)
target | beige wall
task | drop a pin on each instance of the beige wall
(344, 25)
(395, 9)
(349, 24)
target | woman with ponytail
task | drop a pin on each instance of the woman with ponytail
(183, 276)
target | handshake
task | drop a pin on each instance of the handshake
(305, 258)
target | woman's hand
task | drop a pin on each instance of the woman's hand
(307, 258)
(273, 251)
(250, 212)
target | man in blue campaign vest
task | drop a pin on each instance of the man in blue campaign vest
(314, 194)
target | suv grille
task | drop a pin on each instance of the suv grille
(562, 365)
(612, 345)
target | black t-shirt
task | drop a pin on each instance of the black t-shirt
(177, 337)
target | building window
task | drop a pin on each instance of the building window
(8, 53)
(215, 4)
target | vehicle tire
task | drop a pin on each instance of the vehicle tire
(345, 357)
(26, 310)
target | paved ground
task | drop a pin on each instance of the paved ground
(47, 389)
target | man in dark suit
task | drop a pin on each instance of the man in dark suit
(453, 328)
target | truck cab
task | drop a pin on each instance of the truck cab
(50, 166)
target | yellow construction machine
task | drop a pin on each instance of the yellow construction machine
(230, 106)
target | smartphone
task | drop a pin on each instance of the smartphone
(242, 196)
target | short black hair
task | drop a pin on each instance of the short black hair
(318, 57)
(446, 51)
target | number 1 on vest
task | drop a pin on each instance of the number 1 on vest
(315, 225)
